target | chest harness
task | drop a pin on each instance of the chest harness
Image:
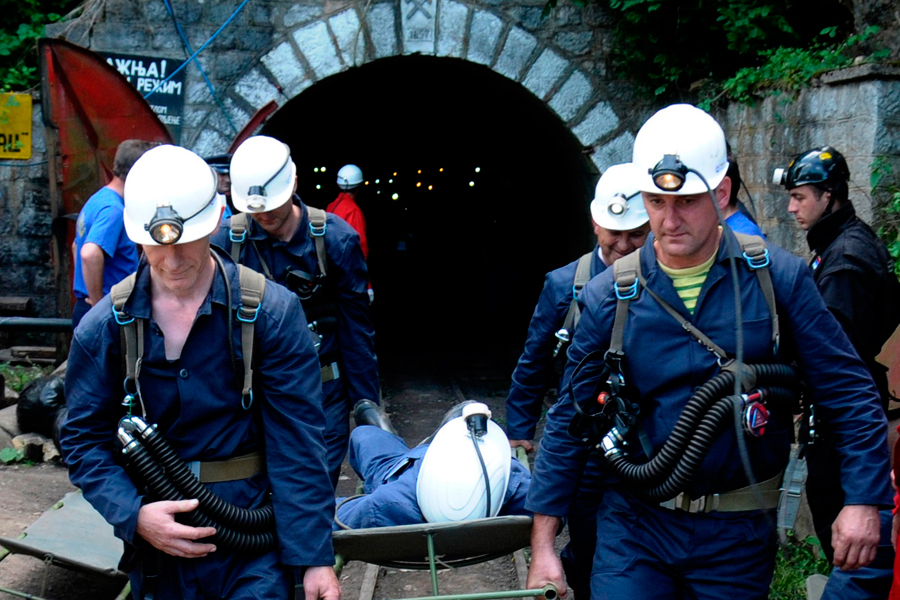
(315, 295)
(606, 418)
(564, 335)
(151, 461)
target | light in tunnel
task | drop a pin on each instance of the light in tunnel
(395, 196)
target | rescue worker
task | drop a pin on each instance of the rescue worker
(735, 213)
(221, 163)
(620, 224)
(317, 257)
(715, 538)
(404, 486)
(349, 178)
(185, 304)
(854, 275)
(103, 253)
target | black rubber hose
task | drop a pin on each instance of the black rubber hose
(244, 519)
(160, 488)
(660, 466)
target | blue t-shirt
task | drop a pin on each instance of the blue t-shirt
(741, 224)
(101, 222)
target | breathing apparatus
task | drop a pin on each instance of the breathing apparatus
(681, 151)
(466, 469)
(164, 185)
(824, 168)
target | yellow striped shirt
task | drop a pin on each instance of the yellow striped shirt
(688, 282)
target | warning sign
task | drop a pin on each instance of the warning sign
(15, 126)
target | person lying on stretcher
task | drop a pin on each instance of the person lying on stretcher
(440, 480)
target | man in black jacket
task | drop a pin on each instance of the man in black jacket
(853, 273)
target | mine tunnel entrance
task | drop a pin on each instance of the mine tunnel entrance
(474, 189)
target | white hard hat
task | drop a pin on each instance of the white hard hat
(349, 177)
(674, 142)
(170, 198)
(451, 484)
(262, 174)
(617, 204)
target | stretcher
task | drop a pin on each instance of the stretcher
(71, 535)
(432, 546)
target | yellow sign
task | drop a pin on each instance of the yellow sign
(15, 126)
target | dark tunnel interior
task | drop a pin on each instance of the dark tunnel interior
(474, 189)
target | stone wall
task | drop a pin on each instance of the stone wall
(856, 110)
(274, 50)
(25, 225)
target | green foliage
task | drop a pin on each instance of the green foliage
(17, 376)
(791, 69)
(11, 455)
(889, 214)
(23, 24)
(793, 565)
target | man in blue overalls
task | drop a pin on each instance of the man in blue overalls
(620, 224)
(250, 448)
(317, 257)
(714, 538)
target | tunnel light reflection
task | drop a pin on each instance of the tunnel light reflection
(418, 184)
(441, 170)
(377, 181)
(471, 184)
(323, 169)
(430, 187)
(477, 169)
(316, 170)
(395, 196)
(318, 187)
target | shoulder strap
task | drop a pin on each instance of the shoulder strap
(757, 256)
(237, 234)
(253, 289)
(131, 334)
(582, 276)
(627, 275)
(317, 226)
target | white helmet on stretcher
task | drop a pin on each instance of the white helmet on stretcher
(451, 483)
(617, 204)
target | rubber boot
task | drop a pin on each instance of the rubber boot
(367, 412)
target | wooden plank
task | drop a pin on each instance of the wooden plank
(33, 351)
(370, 578)
(15, 304)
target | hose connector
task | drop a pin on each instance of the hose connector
(612, 443)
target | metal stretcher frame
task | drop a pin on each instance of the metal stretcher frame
(73, 535)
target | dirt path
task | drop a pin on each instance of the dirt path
(417, 391)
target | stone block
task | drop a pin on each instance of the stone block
(315, 43)
(255, 89)
(210, 142)
(599, 121)
(545, 72)
(35, 447)
(451, 28)
(350, 37)
(300, 14)
(285, 67)
(571, 96)
(574, 42)
(515, 54)
(381, 21)
(196, 92)
(418, 26)
(615, 152)
(531, 17)
(483, 37)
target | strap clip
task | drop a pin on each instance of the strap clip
(247, 315)
(122, 318)
(317, 231)
(758, 261)
(629, 292)
(237, 239)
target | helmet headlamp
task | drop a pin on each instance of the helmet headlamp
(167, 225)
(617, 205)
(256, 194)
(669, 174)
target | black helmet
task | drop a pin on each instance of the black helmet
(822, 167)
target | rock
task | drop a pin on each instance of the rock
(35, 447)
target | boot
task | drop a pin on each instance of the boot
(367, 412)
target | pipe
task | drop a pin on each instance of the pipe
(36, 324)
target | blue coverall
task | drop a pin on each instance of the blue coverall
(100, 222)
(196, 402)
(352, 346)
(675, 554)
(531, 378)
(390, 470)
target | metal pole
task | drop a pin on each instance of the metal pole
(36, 324)
(548, 592)
(21, 594)
(432, 565)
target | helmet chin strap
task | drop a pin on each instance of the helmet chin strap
(830, 206)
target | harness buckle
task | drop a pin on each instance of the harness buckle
(247, 315)
(758, 261)
(122, 317)
(238, 239)
(629, 292)
(317, 231)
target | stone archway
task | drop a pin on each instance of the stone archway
(317, 46)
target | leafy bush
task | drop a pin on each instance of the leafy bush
(17, 376)
(889, 215)
(23, 24)
(793, 565)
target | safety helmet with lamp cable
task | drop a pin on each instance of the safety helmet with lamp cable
(466, 469)
(170, 198)
(349, 177)
(824, 168)
(262, 175)
(681, 151)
